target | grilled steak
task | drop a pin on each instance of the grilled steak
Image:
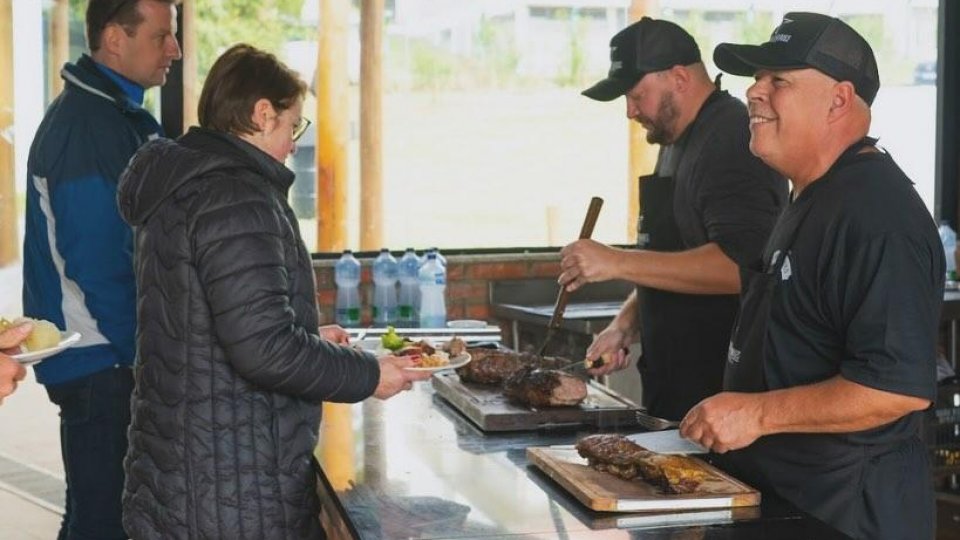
(614, 454)
(490, 366)
(618, 455)
(536, 387)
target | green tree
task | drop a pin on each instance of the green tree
(266, 24)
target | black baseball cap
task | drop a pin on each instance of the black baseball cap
(645, 46)
(808, 40)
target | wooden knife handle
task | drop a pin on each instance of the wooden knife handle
(589, 222)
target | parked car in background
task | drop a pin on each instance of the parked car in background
(925, 73)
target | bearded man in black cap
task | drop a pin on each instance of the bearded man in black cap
(833, 356)
(707, 209)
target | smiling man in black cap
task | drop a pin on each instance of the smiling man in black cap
(833, 356)
(707, 209)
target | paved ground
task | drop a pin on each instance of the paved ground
(31, 472)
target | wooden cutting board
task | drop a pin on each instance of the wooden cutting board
(489, 409)
(608, 493)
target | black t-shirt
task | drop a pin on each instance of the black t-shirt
(858, 294)
(720, 193)
(723, 193)
(860, 291)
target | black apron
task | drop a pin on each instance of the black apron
(684, 337)
(852, 486)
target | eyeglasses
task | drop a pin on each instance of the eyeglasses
(300, 128)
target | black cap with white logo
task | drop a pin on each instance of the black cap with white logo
(808, 40)
(646, 46)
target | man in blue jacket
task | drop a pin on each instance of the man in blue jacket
(78, 252)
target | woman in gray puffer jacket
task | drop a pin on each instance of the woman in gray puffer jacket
(231, 366)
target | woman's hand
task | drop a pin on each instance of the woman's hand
(395, 379)
(335, 333)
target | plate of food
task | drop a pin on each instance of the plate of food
(44, 340)
(439, 361)
(30, 357)
(426, 355)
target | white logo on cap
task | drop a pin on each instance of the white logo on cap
(780, 36)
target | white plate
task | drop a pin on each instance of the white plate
(67, 340)
(455, 362)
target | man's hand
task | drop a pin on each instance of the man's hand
(612, 346)
(586, 261)
(10, 373)
(724, 422)
(12, 337)
(335, 333)
(394, 379)
(10, 370)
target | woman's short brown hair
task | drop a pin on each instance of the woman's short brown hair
(238, 79)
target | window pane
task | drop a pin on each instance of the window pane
(486, 138)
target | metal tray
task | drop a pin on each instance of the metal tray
(489, 409)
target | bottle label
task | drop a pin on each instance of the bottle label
(405, 312)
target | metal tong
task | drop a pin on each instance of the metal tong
(593, 211)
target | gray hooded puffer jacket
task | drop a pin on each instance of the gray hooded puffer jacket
(230, 369)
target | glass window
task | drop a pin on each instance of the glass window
(487, 141)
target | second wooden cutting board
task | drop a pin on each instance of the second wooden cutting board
(608, 493)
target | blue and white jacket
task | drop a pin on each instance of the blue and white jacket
(78, 252)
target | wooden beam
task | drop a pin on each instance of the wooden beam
(371, 125)
(190, 63)
(642, 155)
(333, 125)
(59, 44)
(9, 249)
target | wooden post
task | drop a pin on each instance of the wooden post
(333, 125)
(371, 167)
(336, 445)
(59, 44)
(189, 47)
(643, 155)
(9, 251)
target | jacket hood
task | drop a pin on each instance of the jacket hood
(163, 166)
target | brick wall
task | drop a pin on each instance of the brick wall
(468, 281)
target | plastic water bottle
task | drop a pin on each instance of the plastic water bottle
(385, 274)
(346, 274)
(948, 237)
(433, 282)
(440, 257)
(409, 290)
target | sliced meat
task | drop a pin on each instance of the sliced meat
(611, 449)
(537, 387)
(491, 366)
(456, 346)
(618, 455)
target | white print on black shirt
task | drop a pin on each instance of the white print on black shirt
(786, 271)
(733, 355)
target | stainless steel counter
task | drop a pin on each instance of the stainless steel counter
(412, 467)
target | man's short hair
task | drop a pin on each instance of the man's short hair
(239, 78)
(126, 13)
